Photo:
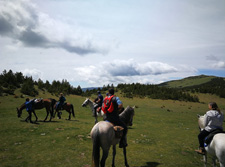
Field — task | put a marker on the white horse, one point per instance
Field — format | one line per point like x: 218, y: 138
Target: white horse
x: 217, y: 146
x: 92, y: 105
x: 103, y: 135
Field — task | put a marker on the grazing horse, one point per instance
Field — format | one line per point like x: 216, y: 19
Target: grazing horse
x: 92, y: 105
x: 217, y: 146
x: 66, y: 106
x: 39, y: 104
x: 103, y: 135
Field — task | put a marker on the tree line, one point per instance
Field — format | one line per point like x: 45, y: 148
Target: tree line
x: 155, y: 92
x: 10, y: 81
x: 215, y: 86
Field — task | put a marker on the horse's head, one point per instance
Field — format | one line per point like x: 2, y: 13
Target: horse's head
x: 19, y: 112
x: 20, y: 109
x: 201, y: 123
x: 85, y: 103
x: 127, y: 116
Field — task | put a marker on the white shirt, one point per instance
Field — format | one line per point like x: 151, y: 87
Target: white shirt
x: 213, y: 120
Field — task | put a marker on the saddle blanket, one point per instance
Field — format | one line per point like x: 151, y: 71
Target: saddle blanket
x: 209, y: 138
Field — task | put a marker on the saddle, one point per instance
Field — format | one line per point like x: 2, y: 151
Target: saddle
x: 118, y: 131
x: 38, y: 100
x: 209, y: 138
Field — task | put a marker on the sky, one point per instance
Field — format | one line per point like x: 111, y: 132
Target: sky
x: 92, y: 43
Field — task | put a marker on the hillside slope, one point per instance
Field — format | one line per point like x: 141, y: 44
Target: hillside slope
x: 188, y: 82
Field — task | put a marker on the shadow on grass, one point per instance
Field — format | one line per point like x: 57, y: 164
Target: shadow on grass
x: 151, y: 164
x: 49, y: 121
x: 73, y: 120
x: 30, y: 122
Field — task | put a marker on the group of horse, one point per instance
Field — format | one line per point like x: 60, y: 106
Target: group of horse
x: 104, y: 136
x: 50, y: 105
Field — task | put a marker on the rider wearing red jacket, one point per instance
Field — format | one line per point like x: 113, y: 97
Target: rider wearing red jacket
x: 111, y: 105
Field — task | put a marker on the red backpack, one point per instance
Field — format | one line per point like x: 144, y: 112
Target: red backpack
x: 107, y: 105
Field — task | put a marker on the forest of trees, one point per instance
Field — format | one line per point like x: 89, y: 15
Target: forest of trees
x: 155, y: 92
x: 10, y: 81
x: 215, y: 86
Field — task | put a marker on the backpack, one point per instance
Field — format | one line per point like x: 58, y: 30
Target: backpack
x: 107, y: 105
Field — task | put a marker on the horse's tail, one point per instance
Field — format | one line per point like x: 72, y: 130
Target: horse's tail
x: 72, y: 110
x: 96, y: 148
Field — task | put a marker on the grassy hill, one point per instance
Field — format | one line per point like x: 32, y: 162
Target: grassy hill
x: 164, y: 134
x: 187, y: 82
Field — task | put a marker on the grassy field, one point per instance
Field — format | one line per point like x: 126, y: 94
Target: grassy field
x: 190, y: 81
x: 164, y: 133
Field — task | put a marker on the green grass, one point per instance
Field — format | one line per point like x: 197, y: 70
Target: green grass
x: 190, y: 81
x: 164, y: 133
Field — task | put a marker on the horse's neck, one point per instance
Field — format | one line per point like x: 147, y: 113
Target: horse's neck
x: 126, y: 115
x: 23, y: 106
x: 201, y: 122
x: 91, y: 104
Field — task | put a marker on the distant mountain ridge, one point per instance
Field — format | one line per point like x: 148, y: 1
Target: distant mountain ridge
x: 90, y: 88
x: 189, y: 81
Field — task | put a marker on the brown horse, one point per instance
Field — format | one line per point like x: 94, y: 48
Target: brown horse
x: 66, y: 106
x: 48, y: 104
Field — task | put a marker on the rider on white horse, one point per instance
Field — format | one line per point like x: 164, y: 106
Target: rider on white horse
x: 213, y: 120
x: 98, y: 101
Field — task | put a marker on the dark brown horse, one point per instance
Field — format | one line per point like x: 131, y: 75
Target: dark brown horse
x: 48, y: 104
x: 66, y: 106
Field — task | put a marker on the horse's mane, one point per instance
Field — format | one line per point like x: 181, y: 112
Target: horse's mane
x: 126, y: 114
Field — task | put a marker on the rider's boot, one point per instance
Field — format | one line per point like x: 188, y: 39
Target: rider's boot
x: 201, y: 150
x: 123, y: 142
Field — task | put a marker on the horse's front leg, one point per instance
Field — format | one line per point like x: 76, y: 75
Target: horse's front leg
x: 205, y: 160
x: 59, y: 114
x: 51, y: 115
x: 69, y: 115
x: 125, y: 156
x: 114, y: 155
x: 27, y: 119
x: 35, y: 116
x: 47, y: 111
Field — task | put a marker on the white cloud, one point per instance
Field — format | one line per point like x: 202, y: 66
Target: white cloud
x: 215, y: 62
x: 122, y: 71
x: 219, y: 64
x: 22, y: 21
x: 36, y: 74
